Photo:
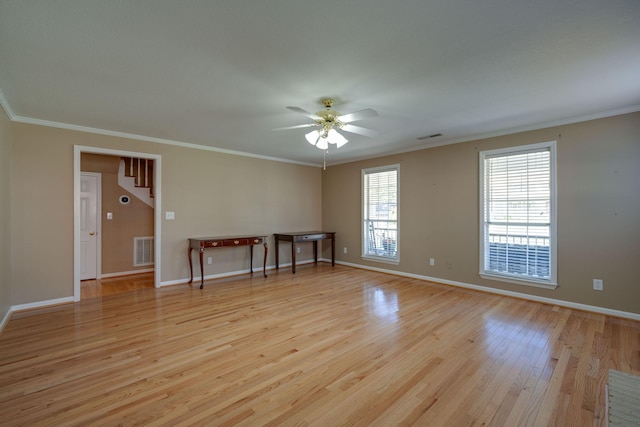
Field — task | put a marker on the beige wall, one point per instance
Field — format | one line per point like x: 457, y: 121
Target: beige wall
x: 5, y: 211
x: 598, y: 211
x: 211, y: 194
x: 134, y: 219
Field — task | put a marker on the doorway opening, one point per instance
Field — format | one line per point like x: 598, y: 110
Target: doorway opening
x: 80, y: 224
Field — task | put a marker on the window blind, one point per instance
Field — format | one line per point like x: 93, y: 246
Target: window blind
x: 517, y: 213
x: 380, y: 212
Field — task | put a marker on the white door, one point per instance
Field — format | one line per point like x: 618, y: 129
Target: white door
x: 89, y: 239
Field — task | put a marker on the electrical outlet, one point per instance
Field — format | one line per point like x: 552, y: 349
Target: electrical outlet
x: 432, y: 261
x: 597, y: 284
x: 298, y: 250
x: 344, y: 249
x: 210, y: 260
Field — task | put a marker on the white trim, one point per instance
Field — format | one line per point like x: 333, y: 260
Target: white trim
x: 7, y: 108
x: 363, y: 173
x: 128, y: 273
x: 561, y: 303
x: 6, y: 319
x: 29, y: 120
x: 503, y: 132
x: 552, y: 301
x: 157, y: 171
x: 196, y: 279
x: 552, y: 283
x: 41, y: 304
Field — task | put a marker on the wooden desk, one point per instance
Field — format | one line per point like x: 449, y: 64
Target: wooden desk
x: 306, y: 236
x: 202, y: 243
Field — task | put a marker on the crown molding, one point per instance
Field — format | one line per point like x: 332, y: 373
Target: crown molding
x: 509, y: 131
x: 7, y: 108
x: 67, y: 126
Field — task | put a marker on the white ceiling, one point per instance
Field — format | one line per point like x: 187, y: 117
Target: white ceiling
x: 220, y: 73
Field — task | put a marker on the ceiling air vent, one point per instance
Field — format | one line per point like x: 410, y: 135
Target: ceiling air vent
x: 435, y: 135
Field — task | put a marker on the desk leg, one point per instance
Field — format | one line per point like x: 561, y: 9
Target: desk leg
x: 201, y: 269
x: 333, y: 252
x: 190, y: 266
x: 277, y: 252
x: 293, y: 257
x: 264, y: 261
x: 315, y: 251
x: 251, y: 259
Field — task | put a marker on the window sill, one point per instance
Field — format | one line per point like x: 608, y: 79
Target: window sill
x: 394, y: 261
x: 517, y: 281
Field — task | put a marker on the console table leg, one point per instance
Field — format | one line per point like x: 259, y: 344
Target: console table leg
x: 251, y: 259
x: 264, y: 261
x: 277, y: 253
x: 201, y: 269
x: 333, y: 252
x: 315, y: 251
x: 293, y: 257
x: 190, y: 266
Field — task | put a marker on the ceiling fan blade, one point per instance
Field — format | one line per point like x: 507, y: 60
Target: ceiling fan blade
x: 304, y: 112
x: 360, y: 130
x: 308, y: 125
x: 357, y: 115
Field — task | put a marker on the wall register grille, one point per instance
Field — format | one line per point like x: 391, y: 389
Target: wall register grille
x: 143, y: 251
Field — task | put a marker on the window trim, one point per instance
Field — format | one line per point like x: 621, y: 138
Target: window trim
x: 364, y: 255
x: 552, y: 282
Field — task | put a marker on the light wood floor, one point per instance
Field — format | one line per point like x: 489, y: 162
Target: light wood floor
x: 115, y: 285
x: 326, y: 346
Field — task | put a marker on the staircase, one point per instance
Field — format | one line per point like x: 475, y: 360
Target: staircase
x: 136, y: 176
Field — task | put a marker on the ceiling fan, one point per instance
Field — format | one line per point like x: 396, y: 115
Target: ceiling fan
x: 328, y: 120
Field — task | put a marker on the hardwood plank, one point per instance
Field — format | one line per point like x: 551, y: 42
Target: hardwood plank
x: 326, y: 346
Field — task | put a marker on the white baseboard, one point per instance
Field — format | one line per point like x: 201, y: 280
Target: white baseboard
x: 40, y: 304
x: 561, y: 303
x: 235, y: 273
x: 5, y: 319
x: 127, y: 273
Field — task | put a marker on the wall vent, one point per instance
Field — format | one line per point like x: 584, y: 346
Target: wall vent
x: 143, y: 251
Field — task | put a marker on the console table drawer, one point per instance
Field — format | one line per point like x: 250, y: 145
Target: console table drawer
x: 237, y: 242
x: 204, y: 243
x: 315, y: 237
x: 226, y: 242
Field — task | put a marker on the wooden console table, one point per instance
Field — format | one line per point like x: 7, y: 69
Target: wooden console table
x: 202, y: 243
x: 306, y: 236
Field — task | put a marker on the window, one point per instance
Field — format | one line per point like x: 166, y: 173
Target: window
x: 518, y: 215
x: 380, y: 213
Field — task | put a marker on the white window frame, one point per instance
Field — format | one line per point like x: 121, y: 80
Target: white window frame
x: 551, y: 282
x: 383, y: 251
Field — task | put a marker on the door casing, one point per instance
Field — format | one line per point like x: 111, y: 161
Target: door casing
x: 77, y: 152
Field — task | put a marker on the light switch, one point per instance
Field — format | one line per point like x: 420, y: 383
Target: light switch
x: 109, y: 215
x: 170, y: 215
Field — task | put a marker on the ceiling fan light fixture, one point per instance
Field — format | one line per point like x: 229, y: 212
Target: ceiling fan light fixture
x: 333, y: 137
x: 328, y: 122
x: 322, y: 144
x: 313, y: 137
